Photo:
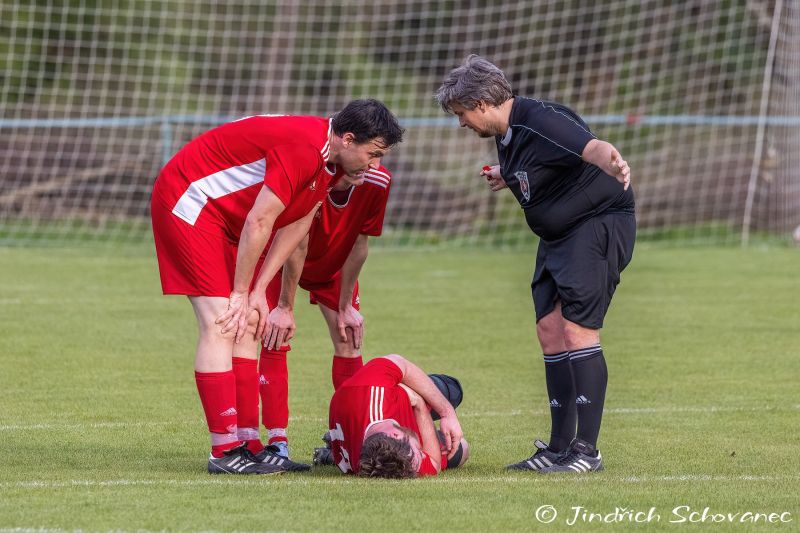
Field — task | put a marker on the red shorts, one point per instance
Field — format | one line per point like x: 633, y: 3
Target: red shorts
x: 191, y: 261
x: 326, y: 294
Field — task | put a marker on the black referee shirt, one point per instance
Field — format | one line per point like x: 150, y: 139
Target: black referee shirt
x: 540, y: 160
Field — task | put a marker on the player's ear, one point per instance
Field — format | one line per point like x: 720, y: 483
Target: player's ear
x: 348, y: 139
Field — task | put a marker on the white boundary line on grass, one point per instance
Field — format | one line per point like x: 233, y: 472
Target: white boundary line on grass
x: 466, y: 414
x: 638, y: 410
x: 347, y: 480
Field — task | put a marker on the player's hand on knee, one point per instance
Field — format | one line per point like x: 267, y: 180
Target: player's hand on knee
x: 234, y: 318
x: 257, y: 303
x: 280, y: 328
x: 349, y: 317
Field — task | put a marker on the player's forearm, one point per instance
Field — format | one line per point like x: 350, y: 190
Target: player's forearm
x: 255, y: 234
x: 292, y: 272
x: 416, y: 379
x: 285, y: 241
x: 351, y: 270
x: 430, y: 442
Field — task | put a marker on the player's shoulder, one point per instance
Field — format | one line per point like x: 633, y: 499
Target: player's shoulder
x: 282, y: 129
x: 379, y: 178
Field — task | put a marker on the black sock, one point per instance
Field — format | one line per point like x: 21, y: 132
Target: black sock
x: 561, y: 394
x: 591, y: 378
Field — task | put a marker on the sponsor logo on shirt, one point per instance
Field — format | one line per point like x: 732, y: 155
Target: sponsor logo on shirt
x: 524, y: 186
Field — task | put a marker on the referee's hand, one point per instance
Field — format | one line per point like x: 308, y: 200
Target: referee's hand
x: 493, y: 177
x: 620, y: 169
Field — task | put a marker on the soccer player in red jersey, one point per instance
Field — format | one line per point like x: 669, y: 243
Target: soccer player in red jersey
x: 381, y: 425
x: 327, y: 264
x: 215, y: 205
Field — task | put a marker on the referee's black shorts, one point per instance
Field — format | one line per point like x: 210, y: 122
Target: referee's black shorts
x: 582, y: 268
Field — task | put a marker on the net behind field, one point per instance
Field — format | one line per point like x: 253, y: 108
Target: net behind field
x: 700, y: 97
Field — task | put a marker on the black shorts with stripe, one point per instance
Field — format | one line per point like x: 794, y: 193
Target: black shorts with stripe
x: 582, y: 269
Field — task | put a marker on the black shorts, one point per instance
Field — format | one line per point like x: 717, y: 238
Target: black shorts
x: 582, y: 268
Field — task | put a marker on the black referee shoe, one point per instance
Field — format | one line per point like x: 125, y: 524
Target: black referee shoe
x: 580, y: 458
x: 240, y: 460
x: 269, y: 456
x: 543, y: 458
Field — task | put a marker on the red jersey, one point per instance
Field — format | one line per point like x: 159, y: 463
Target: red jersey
x: 371, y: 394
x: 212, y: 182
x: 336, y: 227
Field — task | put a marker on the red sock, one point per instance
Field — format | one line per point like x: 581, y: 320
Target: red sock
x: 246, y: 372
x: 218, y: 395
x: 343, y: 368
x: 274, y: 388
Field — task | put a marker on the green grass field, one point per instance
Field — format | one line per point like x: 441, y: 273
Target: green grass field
x: 101, y: 428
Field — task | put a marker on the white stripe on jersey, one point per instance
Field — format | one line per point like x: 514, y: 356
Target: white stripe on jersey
x: 377, y: 174
x: 371, y: 404
x: 326, y: 149
x: 215, y: 186
x: 376, y: 182
x: 375, y: 404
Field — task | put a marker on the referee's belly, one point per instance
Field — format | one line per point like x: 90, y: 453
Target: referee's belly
x: 553, y: 220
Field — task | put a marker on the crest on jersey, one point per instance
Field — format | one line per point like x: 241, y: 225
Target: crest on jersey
x: 524, y: 186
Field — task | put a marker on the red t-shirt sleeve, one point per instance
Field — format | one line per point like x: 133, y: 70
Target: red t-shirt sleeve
x: 373, y: 225
x: 379, y: 372
x: 290, y: 167
x: 426, y: 468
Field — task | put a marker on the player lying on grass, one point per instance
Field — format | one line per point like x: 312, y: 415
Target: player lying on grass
x: 327, y: 264
x: 381, y: 424
x: 215, y: 205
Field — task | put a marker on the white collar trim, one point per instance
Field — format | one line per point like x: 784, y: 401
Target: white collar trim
x: 507, y: 138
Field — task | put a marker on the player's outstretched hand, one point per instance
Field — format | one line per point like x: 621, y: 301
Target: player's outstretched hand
x: 280, y: 328
x: 349, y: 317
x: 493, y: 177
x: 451, y: 429
x: 235, y: 317
x: 620, y: 169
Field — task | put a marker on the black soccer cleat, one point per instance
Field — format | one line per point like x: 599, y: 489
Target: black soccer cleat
x: 270, y: 456
x: 240, y: 460
x: 543, y: 458
x: 323, y: 457
x: 580, y: 458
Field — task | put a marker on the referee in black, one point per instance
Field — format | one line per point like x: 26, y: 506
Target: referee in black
x: 575, y: 192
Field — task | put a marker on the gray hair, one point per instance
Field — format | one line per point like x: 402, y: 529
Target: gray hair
x: 477, y: 79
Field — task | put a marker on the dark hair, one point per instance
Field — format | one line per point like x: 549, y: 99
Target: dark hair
x: 366, y: 120
x: 476, y: 80
x: 386, y: 457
